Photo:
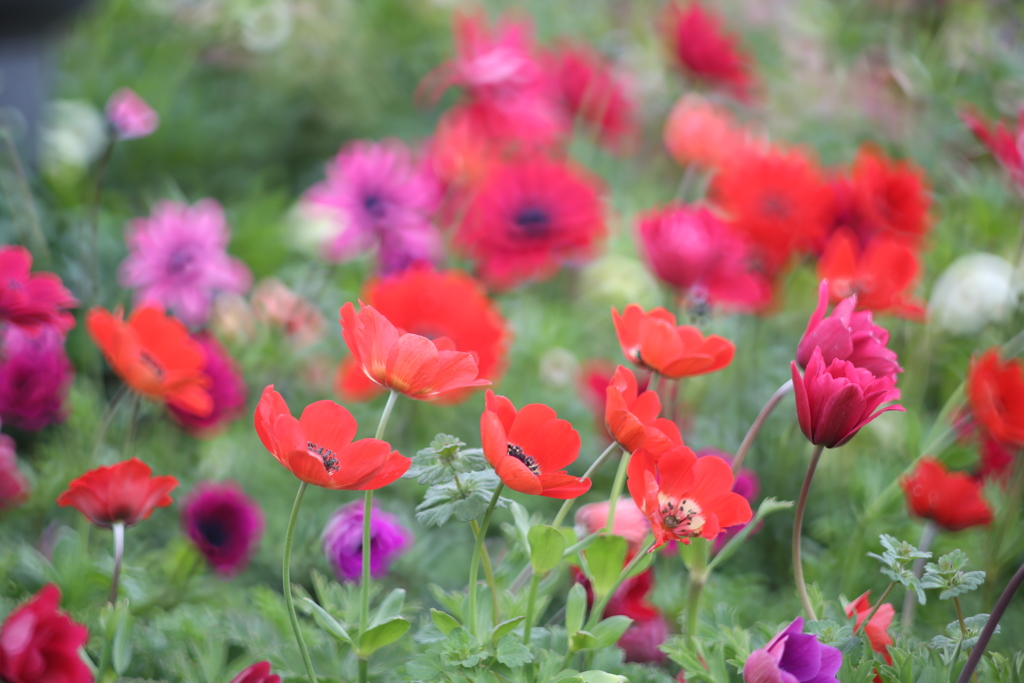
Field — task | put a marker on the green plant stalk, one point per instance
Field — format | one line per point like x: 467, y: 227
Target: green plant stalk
x: 30, y: 201
x: 475, y: 562
x: 960, y: 616
x: 364, y: 666
x: 492, y: 583
x: 105, y: 419
x: 531, y: 599
x: 286, y: 575
x: 93, y: 238
x: 567, y: 505
x: 118, y: 530
x: 617, y: 486
x: 600, y: 605
x: 798, y: 524
x: 755, y: 427
x: 698, y: 578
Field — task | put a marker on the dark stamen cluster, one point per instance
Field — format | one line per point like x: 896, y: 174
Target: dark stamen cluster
x: 517, y: 453
x: 326, y: 454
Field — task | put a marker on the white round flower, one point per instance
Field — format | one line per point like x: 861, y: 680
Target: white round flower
x: 311, y: 227
x: 975, y: 290
x: 74, y: 135
x: 267, y: 27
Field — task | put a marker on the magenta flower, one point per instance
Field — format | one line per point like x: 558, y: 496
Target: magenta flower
x: 227, y: 388
x: 130, y: 115
x: 343, y: 541
x: 177, y: 258
x: 745, y: 483
x: 32, y: 300
x: 14, y: 488
x: 848, y: 335
x: 224, y: 523
x: 793, y: 657
x: 833, y: 402
x: 257, y: 673
x: 35, y: 376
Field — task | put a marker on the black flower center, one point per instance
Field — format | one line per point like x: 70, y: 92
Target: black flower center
x: 776, y: 207
x: 517, y: 453
x: 326, y: 454
x: 215, y: 533
x: 151, y: 364
x: 533, y: 221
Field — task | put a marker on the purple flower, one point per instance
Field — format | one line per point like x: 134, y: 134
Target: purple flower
x: 177, y: 258
x: 130, y: 115
x: 746, y: 484
x: 343, y: 541
x: 227, y: 388
x: 35, y: 376
x: 642, y: 639
x: 224, y: 523
x: 793, y: 657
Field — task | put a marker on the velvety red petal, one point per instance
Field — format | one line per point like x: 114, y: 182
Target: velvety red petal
x: 412, y: 365
x: 529, y: 420
x: 518, y: 476
x: 328, y: 425
x: 503, y: 407
x: 394, y: 467
x: 493, y: 439
x: 563, y: 486
x: 712, y: 479
x: 676, y: 470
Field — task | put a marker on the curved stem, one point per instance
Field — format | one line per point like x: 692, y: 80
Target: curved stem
x: 755, y: 427
x: 388, y: 407
x: 567, y: 505
x: 798, y: 524
x: 878, y: 603
x: 990, y: 626
x: 530, y: 600
x: 475, y: 562
x: 600, y: 605
x: 118, y: 530
x: 617, y: 485
x: 286, y: 577
x: 931, y: 530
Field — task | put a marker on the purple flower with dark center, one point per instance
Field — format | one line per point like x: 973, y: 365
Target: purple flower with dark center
x: 35, y: 376
x: 343, y: 541
x: 177, y: 258
x: 793, y: 657
x: 224, y: 523
x: 227, y: 388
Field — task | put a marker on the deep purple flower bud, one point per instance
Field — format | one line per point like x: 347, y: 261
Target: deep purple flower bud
x: 257, y: 673
x: 227, y: 389
x: 343, y: 541
x: 35, y: 376
x: 224, y: 523
x: 793, y: 657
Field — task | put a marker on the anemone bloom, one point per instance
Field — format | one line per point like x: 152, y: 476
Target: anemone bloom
x: 40, y: 643
x: 1002, y: 139
x: 652, y: 340
x: 227, y: 391
x: 35, y: 377
x: 702, y: 48
x: 995, y: 391
x: 130, y: 115
x: 701, y: 133
x: 32, y: 299
x: 631, y: 416
x: 125, y: 493
x: 953, y: 500
x: 745, y: 484
x: 877, y: 629
x: 529, y: 448
x: 793, y: 657
x: 342, y: 541
x: 318, y: 447
x: 882, y: 274
x: 629, y: 523
x: 224, y: 524
x: 890, y: 197
x: 14, y: 487
x: 256, y: 673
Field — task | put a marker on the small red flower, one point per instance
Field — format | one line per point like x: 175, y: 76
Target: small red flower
x: 125, y: 493
x: 14, y: 487
x: 876, y: 629
x: 32, y: 300
x: 530, y: 448
x: 702, y: 48
x: 1001, y: 139
x: 889, y: 196
x: 257, y: 673
x: 882, y: 275
x: 953, y: 500
x: 995, y: 391
x: 652, y: 340
x: 39, y: 643
x: 704, y: 134
x: 410, y: 364
x: 632, y: 417
x: 318, y: 448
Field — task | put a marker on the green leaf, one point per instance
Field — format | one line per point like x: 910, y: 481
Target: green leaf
x: 444, y: 460
x: 121, y: 646
x: 389, y: 608
x: 604, y: 559
x: 326, y: 622
x: 602, y: 677
x: 546, y: 547
x: 381, y: 635
x: 512, y: 653
x: 582, y: 640
x: 462, y: 649
x: 521, y: 520
x: 444, y: 622
x: 466, y: 501
x: 504, y: 628
x: 575, y: 609
x: 608, y: 631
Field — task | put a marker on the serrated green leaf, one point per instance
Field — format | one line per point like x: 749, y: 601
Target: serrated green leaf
x: 605, y: 558
x: 381, y: 635
x: 546, y: 547
x: 505, y: 628
x: 465, y: 501
x: 608, y: 631
x: 461, y: 648
x: 390, y: 607
x: 575, y: 609
x: 512, y: 653
x: 326, y: 622
x: 444, y: 622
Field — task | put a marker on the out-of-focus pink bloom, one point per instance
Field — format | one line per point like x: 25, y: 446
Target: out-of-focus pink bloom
x: 257, y: 673
x: 28, y: 299
x: 343, y: 541
x: 224, y: 523
x: 130, y: 115
x: 177, y: 257
x: 35, y: 376
x: 629, y: 522
x: 227, y: 388
x: 703, y: 134
x: 14, y: 487
x: 274, y: 304
x: 703, y: 49
x: 39, y: 643
x: 590, y: 91
x: 1004, y: 142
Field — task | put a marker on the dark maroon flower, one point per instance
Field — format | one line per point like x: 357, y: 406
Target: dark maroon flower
x: 14, y: 488
x: 343, y: 541
x: 227, y: 389
x: 257, y: 673
x: 39, y: 644
x: 224, y: 523
x: 35, y: 376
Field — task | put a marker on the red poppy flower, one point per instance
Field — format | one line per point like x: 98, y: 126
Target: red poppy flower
x: 530, y: 448
x: 632, y: 417
x: 685, y: 496
x: 702, y: 48
x: 318, y: 448
x: 876, y: 629
x: 528, y: 217
x: 125, y: 493
x: 882, y: 275
x: 154, y: 355
x: 40, y: 643
x: 889, y: 196
x: 995, y: 460
x: 257, y: 673
x: 410, y: 364
x: 653, y: 341
x: 995, y: 390
x: 32, y: 300
x: 1001, y: 140
x: 952, y: 500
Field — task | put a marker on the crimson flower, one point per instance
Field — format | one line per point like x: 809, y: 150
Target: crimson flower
x: 953, y: 500
x: 125, y: 493
x: 631, y: 416
x: 224, y: 524
x: 227, y: 391
x: 1002, y: 139
x: 684, y: 496
x: 876, y: 629
x: 256, y: 673
x: 652, y: 340
x: 882, y: 274
x: 530, y: 448
x: 39, y: 643
x: 28, y: 299
x: 14, y: 487
x: 318, y: 448
x: 890, y: 197
x: 702, y: 48
x: 995, y: 391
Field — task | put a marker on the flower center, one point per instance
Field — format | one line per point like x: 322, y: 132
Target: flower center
x: 179, y: 261
x: 775, y: 207
x: 374, y: 205
x: 151, y: 364
x: 517, y: 453
x: 533, y: 221
x: 325, y: 454
x: 214, y: 532
x: 683, y: 518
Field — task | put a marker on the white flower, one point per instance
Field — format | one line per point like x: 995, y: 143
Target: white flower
x: 267, y: 27
x: 74, y: 135
x: 975, y: 290
x: 311, y: 228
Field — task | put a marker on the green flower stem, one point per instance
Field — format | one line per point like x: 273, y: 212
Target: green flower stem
x: 698, y: 577
x: 388, y: 407
x: 617, y: 486
x: 766, y: 410
x: 35, y: 227
x: 492, y: 584
x: 567, y: 505
x: 475, y: 562
x: 364, y: 666
x: 798, y: 524
x: 931, y: 530
x: 94, y: 216
x: 960, y: 616
x: 118, y: 530
x: 599, y: 607
x: 286, y: 574
x: 530, y: 600
x: 990, y: 626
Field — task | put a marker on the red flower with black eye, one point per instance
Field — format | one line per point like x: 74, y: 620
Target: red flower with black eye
x: 632, y: 416
x: 530, y: 448
x: 995, y: 391
x: 39, y: 643
x: 702, y: 48
x: 125, y: 493
x: 652, y: 340
x: 882, y: 275
x: 318, y: 448
x: 32, y: 300
x: 952, y: 500
x: 890, y: 196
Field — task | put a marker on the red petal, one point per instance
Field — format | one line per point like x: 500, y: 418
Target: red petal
x: 563, y: 486
x: 676, y: 471
x: 412, y: 365
x: 518, y: 476
x: 394, y: 467
x: 328, y: 425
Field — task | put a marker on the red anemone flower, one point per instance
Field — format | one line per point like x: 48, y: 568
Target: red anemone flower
x: 318, y: 448
x: 684, y: 496
x: 154, y: 355
x: 882, y: 275
x: 1001, y: 139
x: 995, y: 390
x: 32, y: 300
x: 410, y: 364
x: 952, y: 500
x: 890, y: 196
x: 529, y: 448
x: 39, y: 643
x: 125, y: 493
x: 652, y: 340
x: 632, y: 416
x: 702, y: 48
x: 257, y: 673
x: 876, y: 629
x: 528, y: 217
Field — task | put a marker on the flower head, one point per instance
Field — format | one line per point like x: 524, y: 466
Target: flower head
x: 876, y: 629
x: 953, y: 500
x: 39, y: 643
x: 227, y: 390
x: 318, y: 448
x: 256, y: 673
x: 652, y: 340
x: 975, y: 290
x: 631, y: 416
x: 881, y: 275
x: 224, y: 524
x: 530, y: 448
x: 1002, y: 139
x: 343, y: 541
x: 130, y: 115
x: 703, y: 134
x: 590, y: 90
x: 32, y: 300
x: 629, y: 523
x: 35, y: 377
x: 995, y: 391
x: 703, y: 49
x: 890, y: 197
x: 745, y: 484
x: 177, y: 257
x: 793, y: 657
x: 125, y: 493
x: 14, y: 487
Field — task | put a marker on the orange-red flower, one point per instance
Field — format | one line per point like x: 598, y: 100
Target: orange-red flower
x: 875, y: 629
x: 685, y: 496
x: 882, y: 275
x: 995, y: 390
x: 952, y: 500
x: 125, y: 493
x: 890, y: 196
x: 701, y: 133
x: 154, y: 355
x: 318, y: 448
x: 702, y: 48
x: 410, y: 364
x: 632, y: 416
x: 530, y: 448
x: 652, y: 340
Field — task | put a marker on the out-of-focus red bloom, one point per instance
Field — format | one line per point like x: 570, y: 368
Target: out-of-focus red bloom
x: 702, y: 48
x: 876, y: 629
x: 952, y: 500
x: 256, y: 673
x: 530, y: 216
x: 703, y: 134
x: 996, y: 459
x: 890, y: 197
x: 1001, y: 140
x: 530, y: 448
x: 39, y: 643
x: 32, y: 299
x: 590, y: 91
x: 631, y: 416
x: 629, y: 522
x: 227, y: 390
x: 14, y: 488
x: 154, y: 355
x: 995, y: 391
x: 834, y: 401
x: 684, y: 496
x: 125, y: 493
x: 461, y: 153
x: 410, y: 364
x: 318, y: 447
x: 653, y: 341
x: 882, y: 275
x: 274, y: 304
